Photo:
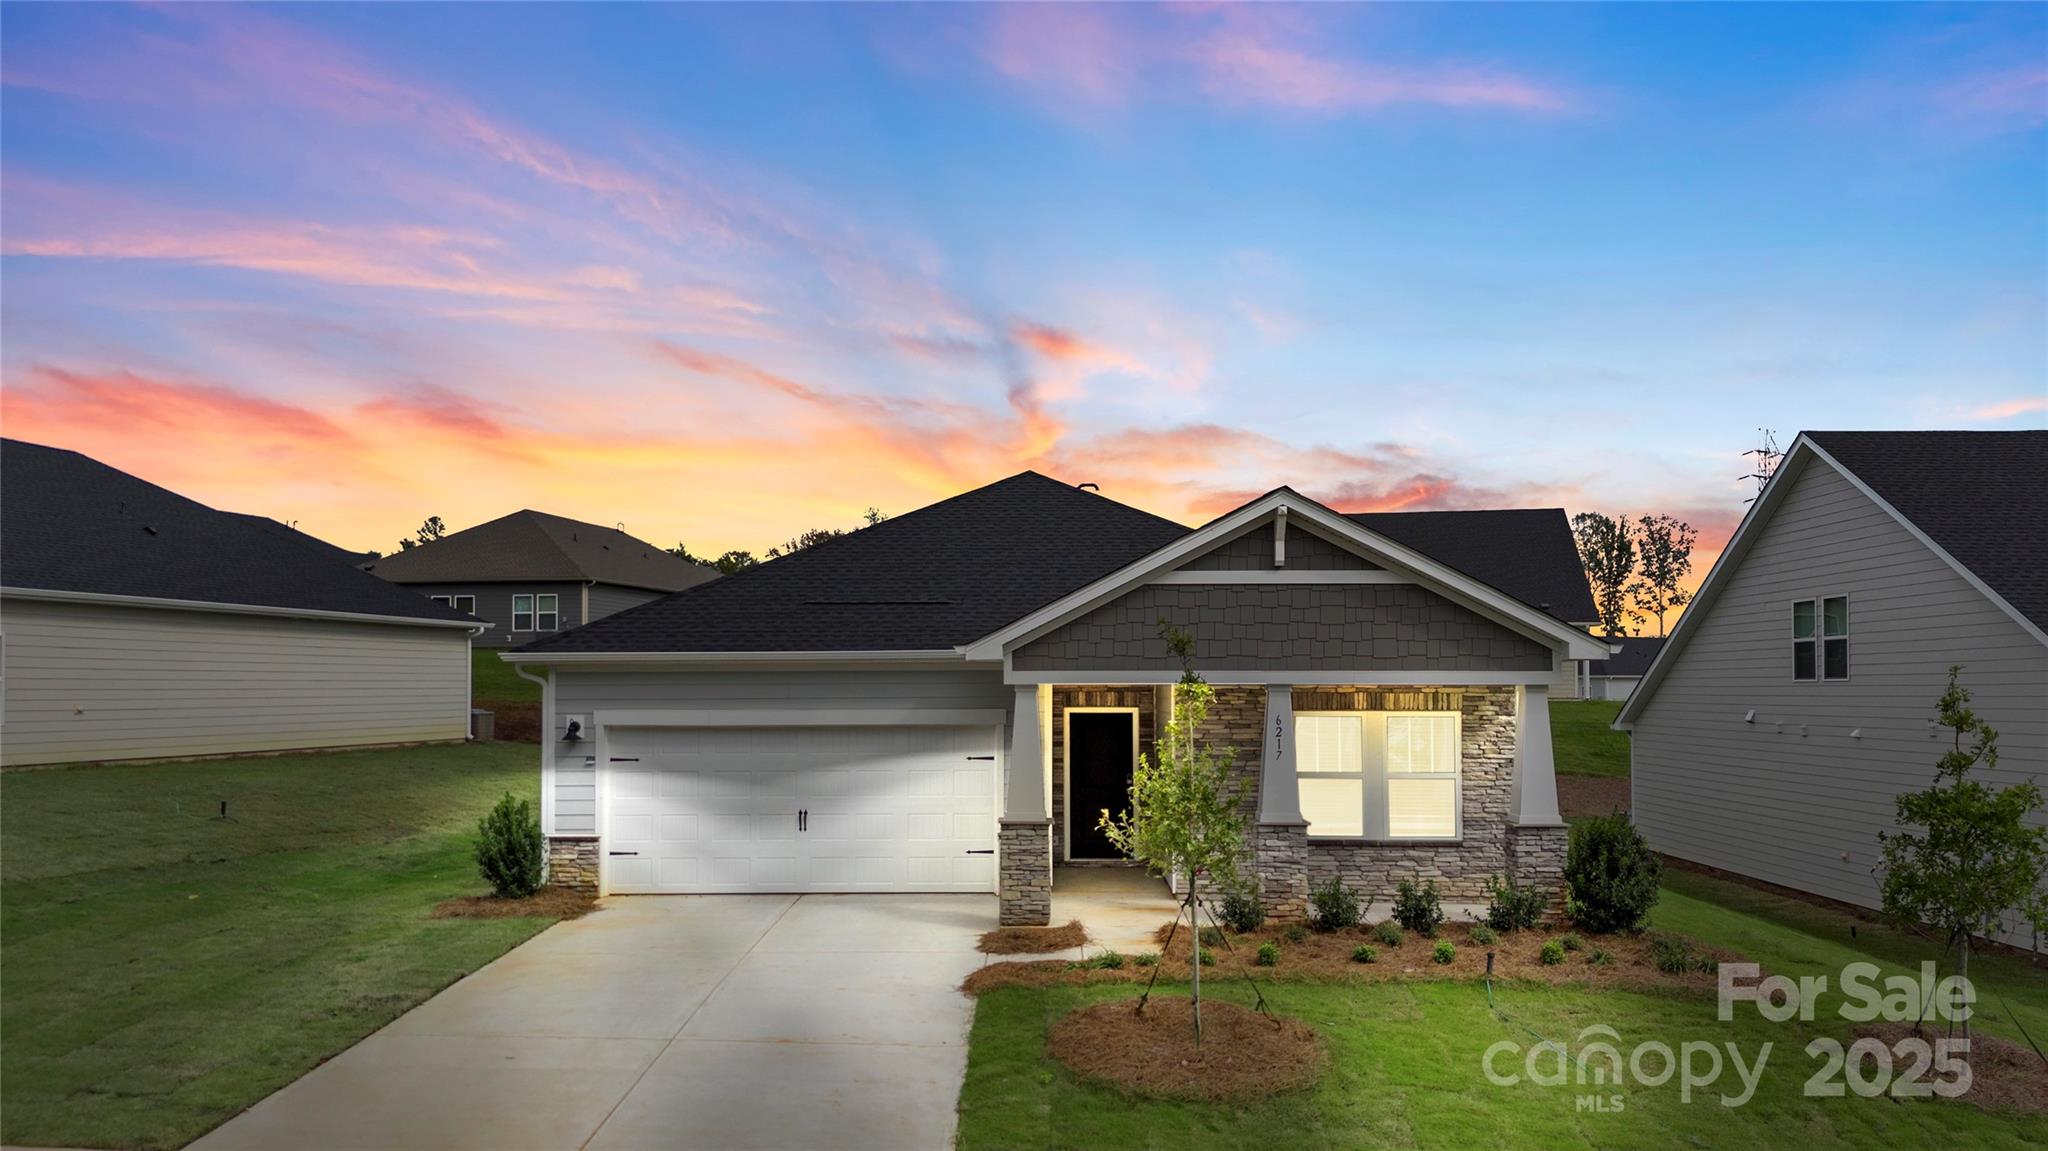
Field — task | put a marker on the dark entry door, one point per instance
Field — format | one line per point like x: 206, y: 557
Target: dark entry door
x: 1101, y: 744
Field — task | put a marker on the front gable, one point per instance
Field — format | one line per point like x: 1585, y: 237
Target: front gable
x: 1254, y: 551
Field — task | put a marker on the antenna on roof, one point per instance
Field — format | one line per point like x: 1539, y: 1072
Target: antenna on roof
x: 1097, y: 488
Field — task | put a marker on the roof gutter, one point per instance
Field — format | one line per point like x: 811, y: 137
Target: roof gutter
x: 940, y: 655
x: 55, y: 596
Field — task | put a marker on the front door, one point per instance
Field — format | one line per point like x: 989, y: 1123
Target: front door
x: 1100, y: 747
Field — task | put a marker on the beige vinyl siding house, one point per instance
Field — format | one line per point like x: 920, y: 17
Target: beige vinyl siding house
x: 93, y: 681
x: 1741, y: 765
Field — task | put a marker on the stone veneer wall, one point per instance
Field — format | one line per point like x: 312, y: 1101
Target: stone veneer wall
x: 1024, y: 873
x: 572, y: 863
x: 1066, y: 696
x: 1537, y: 856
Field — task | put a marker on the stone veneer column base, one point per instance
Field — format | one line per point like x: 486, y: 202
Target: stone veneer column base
x: 572, y: 862
x: 1536, y: 859
x: 1024, y: 873
x: 1280, y: 860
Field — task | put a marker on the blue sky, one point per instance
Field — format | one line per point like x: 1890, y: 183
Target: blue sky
x: 723, y: 273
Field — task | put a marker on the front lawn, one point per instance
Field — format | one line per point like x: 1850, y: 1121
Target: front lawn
x: 1583, y: 743
x: 165, y: 968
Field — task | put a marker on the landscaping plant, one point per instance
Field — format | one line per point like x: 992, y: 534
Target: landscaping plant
x: 1610, y: 875
x: 1269, y: 954
x: 509, y: 849
x: 1295, y: 933
x: 1512, y: 908
x: 1485, y: 936
x: 1242, y: 911
x: 1570, y: 941
x: 1389, y: 934
x: 1418, y: 908
x: 1444, y: 952
x: 1601, y: 957
x: 1186, y: 815
x: 1552, y: 954
x: 1364, y: 953
x: 1974, y: 856
x: 1333, y: 906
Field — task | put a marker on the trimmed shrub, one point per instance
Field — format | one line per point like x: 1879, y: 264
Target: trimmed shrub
x: 510, y: 852
x: 1269, y: 954
x: 1610, y: 875
x: 1418, y: 908
x: 1571, y: 942
x: 1553, y: 953
x: 1295, y: 933
x: 1242, y: 911
x: 1364, y: 953
x: 1511, y: 908
x: 1443, y: 952
x: 1333, y: 906
x: 1485, y: 936
x: 1388, y: 933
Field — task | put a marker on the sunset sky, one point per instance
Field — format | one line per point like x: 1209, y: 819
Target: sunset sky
x: 722, y: 274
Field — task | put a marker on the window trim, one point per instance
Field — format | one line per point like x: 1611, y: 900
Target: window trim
x: 1375, y: 812
x: 459, y: 606
x: 545, y: 605
x: 528, y: 612
x: 1818, y: 641
x: 1810, y: 641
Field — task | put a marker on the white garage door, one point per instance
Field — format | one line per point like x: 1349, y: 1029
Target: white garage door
x: 719, y: 809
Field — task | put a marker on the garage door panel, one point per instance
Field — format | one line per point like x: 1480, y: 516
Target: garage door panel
x: 715, y: 809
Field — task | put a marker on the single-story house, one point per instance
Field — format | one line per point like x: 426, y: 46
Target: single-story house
x: 530, y: 573
x: 1795, y: 700
x: 1617, y: 675
x: 138, y: 624
x: 944, y: 701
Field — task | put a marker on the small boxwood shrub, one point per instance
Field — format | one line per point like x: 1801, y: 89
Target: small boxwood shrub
x: 1571, y: 941
x: 1552, y: 954
x: 1208, y: 958
x: 1610, y: 875
x: 1485, y: 936
x: 1389, y: 934
x: 1333, y: 906
x: 1269, y: 954
x: 1443, y: 952
x: 1295, y: 933
x: 1512, y: 908
x: 1418, y: 908
x: 1243, y: 912
x: 1364, y: 953
x: 510, y: 852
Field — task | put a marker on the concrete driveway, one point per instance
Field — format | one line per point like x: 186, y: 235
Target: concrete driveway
x: 724, y: 1021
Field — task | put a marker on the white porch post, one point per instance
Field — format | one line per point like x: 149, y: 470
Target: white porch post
x: 1025, y: 791
x: 1279, y: 791
x: 1535, y: 791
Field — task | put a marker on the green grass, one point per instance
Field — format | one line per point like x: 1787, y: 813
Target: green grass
x: 492, y: 680
x: 164, y: 969
x: 1581, y: 741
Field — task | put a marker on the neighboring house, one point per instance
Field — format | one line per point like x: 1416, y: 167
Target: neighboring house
x: 1617, y: 675
x: 1796, y: 697
x: 944, y: 701
x: 138, y: 624
x: 530, y: 573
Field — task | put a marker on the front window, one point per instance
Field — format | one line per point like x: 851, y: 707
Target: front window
x: 1379, y: 775
x: 550, y: 618
x: 522, y: 613
x: 1820, y: 638
x: 1802, y: 639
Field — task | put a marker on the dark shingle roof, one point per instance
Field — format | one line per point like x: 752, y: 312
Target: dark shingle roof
x: 1528, y: 553
x: 71, y: 523
x: 1637, y: 653
x: 536, y: 546
x: 1983, y: 496
x: 926, y: 580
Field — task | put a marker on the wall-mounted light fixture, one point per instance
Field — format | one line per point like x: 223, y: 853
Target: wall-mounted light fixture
x: 573, y: 732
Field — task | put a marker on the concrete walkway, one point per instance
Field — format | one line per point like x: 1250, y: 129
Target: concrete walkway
x: 731, y: 1022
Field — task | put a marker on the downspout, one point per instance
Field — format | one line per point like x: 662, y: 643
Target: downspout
x: 547, y: 726
x: 469, y: 684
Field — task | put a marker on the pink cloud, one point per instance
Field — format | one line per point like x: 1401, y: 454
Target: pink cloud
x: 2014, y: 96
x: 2010, y: 408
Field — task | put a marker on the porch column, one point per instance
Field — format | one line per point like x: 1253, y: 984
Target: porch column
x: 1280, y: 842
x: 1024, y: 836
x: 1537, y: 836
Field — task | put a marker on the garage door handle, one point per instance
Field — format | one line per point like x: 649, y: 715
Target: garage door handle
x: 803, y: 819
x: 990, y: 758
x: 622, y: 853
x: 982, y: 851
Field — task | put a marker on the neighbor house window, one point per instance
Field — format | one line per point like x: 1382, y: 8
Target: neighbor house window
x: 550, y: 616
x: 443, y: 600
x: 522, y: 613
x: 465, y: 603
x: 1820, y: 638
x: 1379, y: 775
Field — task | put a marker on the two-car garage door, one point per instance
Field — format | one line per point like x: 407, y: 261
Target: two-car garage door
x: 799, y: 808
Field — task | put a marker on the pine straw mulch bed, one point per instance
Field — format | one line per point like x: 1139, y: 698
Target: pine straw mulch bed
x: 1243, y: 1054
x: 513, y: 722
x: 1033, y: 940
x: 2004, y: 1076
x: 1327, y: 958
x: 547, y: 903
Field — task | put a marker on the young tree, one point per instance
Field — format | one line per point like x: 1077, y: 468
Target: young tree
x: 1609, y: 555
x: 1664, y: 551
x: 1187, y: 811
x: 1973, y: 857
x: 429, y: 530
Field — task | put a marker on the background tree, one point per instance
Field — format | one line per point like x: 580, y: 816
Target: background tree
x: 1973, y: 857
x: 430, y: 529
x: 1664, y: 559
x: 1609, y: 554
x: 816, y: 536
x: 1189, y: 809
x: 733, y: 560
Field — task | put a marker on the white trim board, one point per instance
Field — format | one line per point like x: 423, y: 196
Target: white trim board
x: 1274, y: 676
x: 943, y: 656
x: 143, y: 601
x: 1280, y: 576
x: 803, y: 717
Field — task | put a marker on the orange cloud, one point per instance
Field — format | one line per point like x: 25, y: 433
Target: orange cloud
x: 2010, y: 408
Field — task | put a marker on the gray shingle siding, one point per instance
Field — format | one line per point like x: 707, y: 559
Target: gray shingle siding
x: 1253, y: 551
x: 1298, y: 627
x: 1794, y: 798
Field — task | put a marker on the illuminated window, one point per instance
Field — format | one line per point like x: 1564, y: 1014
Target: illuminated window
x: 522, y: 613
x: 1379, y: 775
x: 550, y: 618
